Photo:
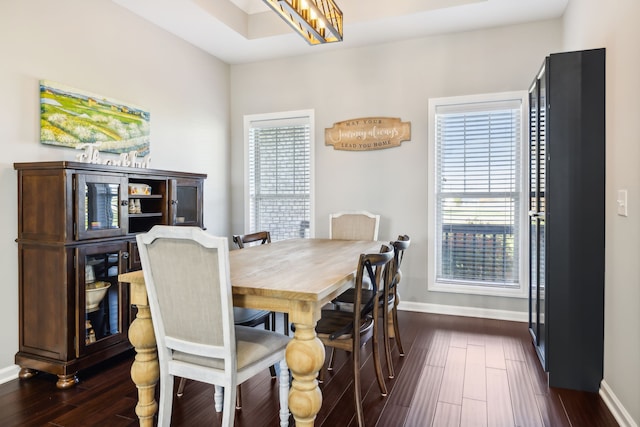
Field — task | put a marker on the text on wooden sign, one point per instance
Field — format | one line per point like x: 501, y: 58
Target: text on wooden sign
x: 369, y: 133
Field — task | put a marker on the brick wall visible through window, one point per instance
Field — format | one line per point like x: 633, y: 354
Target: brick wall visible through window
x: 280, y: 177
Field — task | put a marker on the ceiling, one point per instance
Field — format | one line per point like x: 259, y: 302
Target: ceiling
x: 240, y: 31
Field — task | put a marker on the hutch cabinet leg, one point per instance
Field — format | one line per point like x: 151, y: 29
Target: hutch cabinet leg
x: 145, y: 370
x: 26, y: 373
x: 66, y: 381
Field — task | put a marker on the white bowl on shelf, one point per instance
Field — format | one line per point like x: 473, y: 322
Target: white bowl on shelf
x: 94, y: 294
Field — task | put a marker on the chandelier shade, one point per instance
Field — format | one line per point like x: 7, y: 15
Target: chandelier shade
x: 317, y: 21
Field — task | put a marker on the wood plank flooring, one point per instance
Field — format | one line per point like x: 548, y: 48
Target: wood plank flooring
x: 457, y: 371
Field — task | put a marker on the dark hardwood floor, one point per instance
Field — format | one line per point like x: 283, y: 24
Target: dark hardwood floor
x: 457, y: 372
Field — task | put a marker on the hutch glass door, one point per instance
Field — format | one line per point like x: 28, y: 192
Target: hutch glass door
x: 186, y: 202
x: 101, y: 202
x: 537, y: 214
x: 102, y: 304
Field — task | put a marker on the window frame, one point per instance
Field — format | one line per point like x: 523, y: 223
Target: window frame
x: 287, y: 117
x: 459, y: 288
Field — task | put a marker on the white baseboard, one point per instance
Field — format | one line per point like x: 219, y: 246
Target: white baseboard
x: 9, y: 373
x: 486, y: 313
x: 618, y: 411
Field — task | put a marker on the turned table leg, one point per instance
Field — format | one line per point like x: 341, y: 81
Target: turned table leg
x: 305, y: 357
x: 145, y: 371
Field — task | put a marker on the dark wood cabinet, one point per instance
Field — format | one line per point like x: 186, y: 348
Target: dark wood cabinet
x: 76, y: 233
x: 566, y: 212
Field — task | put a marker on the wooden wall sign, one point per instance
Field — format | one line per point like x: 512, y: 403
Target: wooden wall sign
x: 368, y: 133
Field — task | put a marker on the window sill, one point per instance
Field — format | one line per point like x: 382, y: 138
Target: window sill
x: 478, y: 290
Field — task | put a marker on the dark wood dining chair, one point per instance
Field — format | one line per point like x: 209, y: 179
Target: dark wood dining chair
x: 350, y: 331
x: 346, y: 300
x: 353, y: 225
x: 261, y: 237
x: 392, y: 297
x: 247, y: 316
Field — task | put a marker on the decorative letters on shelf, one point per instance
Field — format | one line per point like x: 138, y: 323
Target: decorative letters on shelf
x: 368, y: 133
x: 92, y: 155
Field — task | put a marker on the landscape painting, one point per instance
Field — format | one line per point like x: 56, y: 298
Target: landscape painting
x: 72, y: 118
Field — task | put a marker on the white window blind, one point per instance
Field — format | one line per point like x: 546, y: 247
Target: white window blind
x: 478, y: 194
x: 280, y: 176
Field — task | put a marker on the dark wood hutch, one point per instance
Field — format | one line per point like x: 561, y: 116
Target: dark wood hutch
x: 76, y: 233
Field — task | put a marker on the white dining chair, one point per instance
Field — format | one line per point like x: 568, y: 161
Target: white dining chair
x: 186, y: 273
x: 354, y: 225
x: 248, y: 316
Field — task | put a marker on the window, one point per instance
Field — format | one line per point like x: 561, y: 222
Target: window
x: 279, y: 175
x: 476, y: 195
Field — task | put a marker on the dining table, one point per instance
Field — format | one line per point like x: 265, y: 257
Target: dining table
x: 294, y: 276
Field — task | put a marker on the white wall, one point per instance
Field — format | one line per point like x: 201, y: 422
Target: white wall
x: 594, y: 23
x: 393, y: 80
x: 100, y: 47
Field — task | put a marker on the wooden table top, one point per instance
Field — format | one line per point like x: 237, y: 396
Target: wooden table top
x: 296, y: 269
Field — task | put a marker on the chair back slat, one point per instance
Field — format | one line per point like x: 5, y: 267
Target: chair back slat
x: 375, y: 266
x: 399, y: 246
x: 243, y: 239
